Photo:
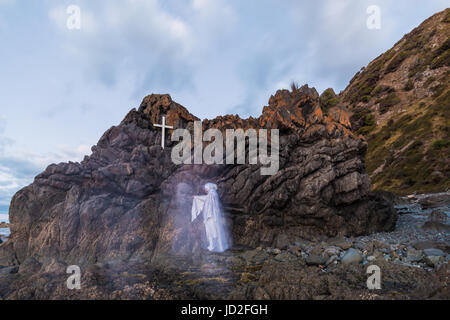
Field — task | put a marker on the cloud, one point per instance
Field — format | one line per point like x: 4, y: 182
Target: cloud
x: 19, y: 167
x: 14, y: 174
x: 7, y: 2
x: 19, y: 170
x: 129, y: 38
x: 232, y: 54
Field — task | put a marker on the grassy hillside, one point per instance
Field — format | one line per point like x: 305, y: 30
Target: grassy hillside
x: 401, y: 103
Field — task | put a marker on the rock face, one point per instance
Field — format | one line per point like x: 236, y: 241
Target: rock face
x: 128, y: 200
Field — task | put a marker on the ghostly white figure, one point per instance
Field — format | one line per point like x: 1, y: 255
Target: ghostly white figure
x: 212, y: 218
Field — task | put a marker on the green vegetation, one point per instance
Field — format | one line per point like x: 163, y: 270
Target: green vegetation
x: 328, y: 99
x: 409, y: 85
x: 418, y: 67
x: 443, y: 60
x: 438, y: 90
x: 364, y: 83
x: 365, y: 99
x: 441, y: 56
x: 429, y: 81
x: 440, y: 144
x: 409, y: 151
x: 387, y: 102
x: 363, y: 121
x: 397, y: 61
x: 382, y: 89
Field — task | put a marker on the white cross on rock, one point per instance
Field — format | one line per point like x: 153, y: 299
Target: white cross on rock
x: 163, y: 126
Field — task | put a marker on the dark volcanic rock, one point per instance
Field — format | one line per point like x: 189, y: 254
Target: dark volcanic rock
x: 128, y: 200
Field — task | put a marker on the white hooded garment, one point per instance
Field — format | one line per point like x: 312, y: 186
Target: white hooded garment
x: 212, y: 218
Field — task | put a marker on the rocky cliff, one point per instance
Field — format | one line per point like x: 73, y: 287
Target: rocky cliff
x: 400, y: 102
x: 128, y: 199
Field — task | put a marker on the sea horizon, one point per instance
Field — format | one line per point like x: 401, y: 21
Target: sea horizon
x: 4, y: 217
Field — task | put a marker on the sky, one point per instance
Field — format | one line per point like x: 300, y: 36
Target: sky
x: 61, y: 88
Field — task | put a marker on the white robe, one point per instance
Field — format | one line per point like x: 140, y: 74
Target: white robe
x: 212, y: 218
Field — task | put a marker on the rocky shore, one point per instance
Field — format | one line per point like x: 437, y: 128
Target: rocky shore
x: 310, y: 231
x: 413, y: 261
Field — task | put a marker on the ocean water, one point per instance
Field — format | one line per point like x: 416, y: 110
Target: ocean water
x: 4, y: 232
x: 4, y: 217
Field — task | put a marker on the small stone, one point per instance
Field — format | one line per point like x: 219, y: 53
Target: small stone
x: 438, y: 216
x: 359, y: 245
x: 248, y: 255
x: 436, y: 226
x: 295, y: 250
x: 284, y: 256
x: 432, y: 261
x: 340, y: 242
x: 274, y: 251
x: 235, y: 261
x: 435, y: 201
x: 260, y: 257
x: 315, y: 260
x: 331, y: 251
x: 331, y: 260
x: 421, y: 245
x: 371, y: 258
x: 282, y: 241
x: 434, y: 252
x: 413, y: 255
x: 351, y: 256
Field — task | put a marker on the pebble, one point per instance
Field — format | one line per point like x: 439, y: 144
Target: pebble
x: 351, y: 256
x: 340, y: 242
x: 434, y: 252
x: 331, y: 251
x: 432, y: 261
x: 413, y: 255
x: 315, y: 260
x: 331, y: 260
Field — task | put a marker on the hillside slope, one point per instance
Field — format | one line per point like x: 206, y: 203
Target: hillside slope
x: 401, y: 103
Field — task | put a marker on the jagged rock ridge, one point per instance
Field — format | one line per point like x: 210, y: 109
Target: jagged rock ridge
x: 128, y: 199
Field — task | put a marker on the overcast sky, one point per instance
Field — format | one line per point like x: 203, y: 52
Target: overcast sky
x: 60, y: 89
